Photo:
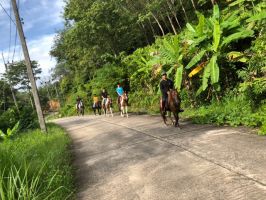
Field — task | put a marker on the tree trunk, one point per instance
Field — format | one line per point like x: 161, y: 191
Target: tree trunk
x: 10, y: 85
x: 160, y: 26
x: 174, y: 14
x: 152, y: 29
x: 172, y: 25
x: 141, y: 25
x: 183, y: 10
x: 193, y: 4
x: 165, y: 23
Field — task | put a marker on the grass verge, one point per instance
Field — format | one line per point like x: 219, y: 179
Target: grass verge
x: 36, y: 166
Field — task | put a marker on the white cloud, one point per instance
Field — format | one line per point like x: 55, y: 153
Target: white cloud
x: 39, y: 50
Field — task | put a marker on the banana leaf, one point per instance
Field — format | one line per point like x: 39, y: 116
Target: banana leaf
x: 197, y: 69
x: 216, y: 12
x: 178, y: 77
x: 216, y: 35
x: 195, y: 59
x: 214, y: 70
x: 190, y: 27
x: 236, y: 36
x: 206, y: 76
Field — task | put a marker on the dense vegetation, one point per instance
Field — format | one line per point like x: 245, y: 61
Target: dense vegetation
x: 214, y: 52
x: 30, y: 170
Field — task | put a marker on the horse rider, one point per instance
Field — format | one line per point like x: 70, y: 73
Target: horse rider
x: 166, y: 85
x: 104, y: 96
x: 120, y: 92
x: 95, y: 101
x: 78, y: 101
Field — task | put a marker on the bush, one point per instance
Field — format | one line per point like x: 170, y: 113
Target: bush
x: 232, y: 110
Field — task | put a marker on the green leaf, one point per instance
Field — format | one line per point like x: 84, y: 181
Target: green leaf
x: 236, y: 36
x: 200, y: 26
x: 206, y: 75
x: 178, y: 77
x: 256, y: 17
x: 190, y: 27
x: 216, y: 35
x: 195, y: 59
x: 236, y: 2
x: 216, y: 12
x: 8, y: 132
x: 214, y: 69
x: 200, y: 90
x: 2, y: 135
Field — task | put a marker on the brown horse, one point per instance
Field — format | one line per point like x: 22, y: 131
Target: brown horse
x: 123, y: 105
x: 173, y: 106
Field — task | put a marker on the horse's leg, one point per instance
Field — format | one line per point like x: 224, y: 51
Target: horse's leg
x: 126, y: 111
x: 170, y: 116
x: 176, y: 120
x: 111, y: 111
x: 122, y: 111
x: 163, y: 116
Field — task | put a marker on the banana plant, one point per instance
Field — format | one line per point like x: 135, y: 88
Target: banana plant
x: 211, y: 39
x: 170, y: 54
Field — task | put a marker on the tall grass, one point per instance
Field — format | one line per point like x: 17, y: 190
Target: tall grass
x: 36, y: 166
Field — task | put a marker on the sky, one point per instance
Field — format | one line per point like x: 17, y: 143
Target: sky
x: 42, y: 20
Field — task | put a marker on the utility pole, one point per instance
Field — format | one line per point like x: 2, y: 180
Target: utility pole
x: 29, y: 69
x: 10, y: 84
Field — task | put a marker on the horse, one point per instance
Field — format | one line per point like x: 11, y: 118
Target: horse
x: 96, y: 106
x: 107, y: 107
x: 173, y: 106
x: 80, y: 108
x: 123, y: 105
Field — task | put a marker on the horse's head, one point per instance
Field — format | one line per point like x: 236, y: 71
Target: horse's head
x: 174, y: 98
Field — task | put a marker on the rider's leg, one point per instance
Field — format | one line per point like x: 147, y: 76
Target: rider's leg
x: 164, y: 102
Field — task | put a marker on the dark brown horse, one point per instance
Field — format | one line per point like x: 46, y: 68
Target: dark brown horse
x: 173, y: 106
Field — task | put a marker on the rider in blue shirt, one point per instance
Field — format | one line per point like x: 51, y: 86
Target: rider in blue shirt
x: 120, y: 92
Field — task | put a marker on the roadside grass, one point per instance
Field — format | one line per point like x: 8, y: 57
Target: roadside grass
x: 36, y: 166
x: 233, y: 111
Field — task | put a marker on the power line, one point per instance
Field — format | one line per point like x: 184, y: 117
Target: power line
x: 7, y: 13
x: 10, y: 33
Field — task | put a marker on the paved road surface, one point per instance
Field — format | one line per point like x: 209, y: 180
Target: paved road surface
x: 139, y: 158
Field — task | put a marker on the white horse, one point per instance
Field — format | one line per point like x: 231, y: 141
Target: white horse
x: 123, y: 105
x: 107, y: 108
x: 80, y: 108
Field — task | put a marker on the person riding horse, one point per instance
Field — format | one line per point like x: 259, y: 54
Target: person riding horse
x: 165, y: 85
x: 120, y: 92
x: 104, y: 96
x: 79, y: 106
x: 170, y: 99
x: 96, y: 105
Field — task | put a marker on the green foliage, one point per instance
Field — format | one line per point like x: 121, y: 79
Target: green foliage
x: 10, y: 132
x: 232, y: 110
x: 27, y: 117
x: 219, y: 48
x: 29, y: 171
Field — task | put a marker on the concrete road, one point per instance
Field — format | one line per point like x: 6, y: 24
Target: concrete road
x: 140, y: 158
